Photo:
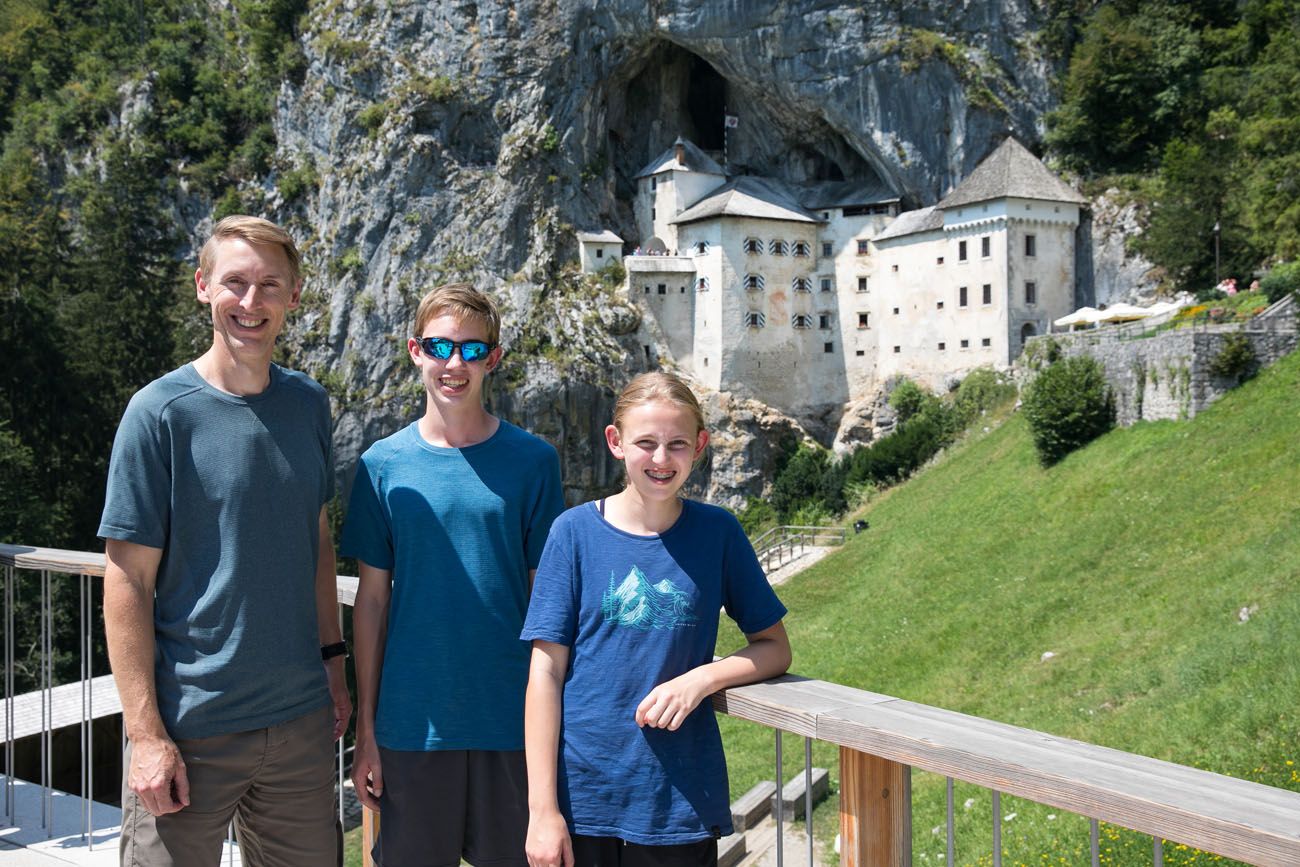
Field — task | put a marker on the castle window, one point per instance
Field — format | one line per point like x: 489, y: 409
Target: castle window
x: 647, y: 353
x: 895, y: 311
x: 754, y: 281
x: 860, y: 352
x: 600, y: 253
x: 824, y: 321
x: 681, y: 290
x: 801, y: 284
x: 802, y: 250
x: 1031, y: 292
x: 1031, y: 245
x: 701, y: 284
x: 753, y: 246
x: 864, y: 320
x: 897, y: 349
x: 828, y: 347
x: 701, y: 248
x: 965, y: 344
x: 986, y: 246
x: 652, y: 183
x: 826, y: 249
x: 938, y: 305
x: 826, y: 284
x: 987, y: 294
x: 942, y: 346
x: 962, y: 299
x: 938, y: 260
x: 864, y: 247
x: 862, y: 284
x: 647, y: 290
x: 895, y: 267
x: 961, y: 251
x: 652, y: 214
x: 755, y: 319
x: 777, y: 247
x: 986, y: 342
x: 663, y: 289
x: 801, y: 320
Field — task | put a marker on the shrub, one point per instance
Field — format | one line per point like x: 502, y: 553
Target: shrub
x: 799, y: 482
x: 908, y: 399
x: 757, y: 517
x: 1280, y: 281
x: 1067, y: 406
x: 371, y: 118
x: 1236, y: 360
x: 983, y: 389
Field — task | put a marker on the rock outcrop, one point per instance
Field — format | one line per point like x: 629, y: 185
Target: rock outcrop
x: 468, y: 140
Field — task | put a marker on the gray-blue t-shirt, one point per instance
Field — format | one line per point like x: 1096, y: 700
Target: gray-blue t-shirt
x: 637, y: 611
x: 230, y: 488
x: 459, y: 529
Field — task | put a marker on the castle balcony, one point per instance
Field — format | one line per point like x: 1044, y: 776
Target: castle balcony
x: 882, y: 743
x: 659, y: 264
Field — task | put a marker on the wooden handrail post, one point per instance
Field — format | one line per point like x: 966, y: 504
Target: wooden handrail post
x: 369, y: 834
x: 875, y: 811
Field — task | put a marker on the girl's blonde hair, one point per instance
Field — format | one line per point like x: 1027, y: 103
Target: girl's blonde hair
x: 657, y: 386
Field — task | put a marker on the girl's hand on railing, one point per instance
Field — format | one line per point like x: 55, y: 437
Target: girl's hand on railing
x: 548, y: 843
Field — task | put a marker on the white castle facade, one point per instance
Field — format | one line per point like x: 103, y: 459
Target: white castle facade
x: 807, y: 297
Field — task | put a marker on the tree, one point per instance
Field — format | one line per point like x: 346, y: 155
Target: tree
x: 1068, y: 405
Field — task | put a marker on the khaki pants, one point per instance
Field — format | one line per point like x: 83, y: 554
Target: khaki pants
x: 277, y: 784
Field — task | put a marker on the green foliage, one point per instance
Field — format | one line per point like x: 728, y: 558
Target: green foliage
x: 1067, y: 406
x: 430, y: 88
x: 299, y: 181
x: 613, y: 273
x: 982, y: 390
x: 1283, y: 280
x: 347, y: 263
x: 800, y: 481
x: 908, y: 399
x: 1236, y: 360
x: 1207, y: 95
x: 917, y: 46
x: 371, y: 118
x: 550, y: 141
x: 757, y: 517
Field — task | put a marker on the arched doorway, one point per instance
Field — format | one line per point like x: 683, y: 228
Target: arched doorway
x: 1027, y: 331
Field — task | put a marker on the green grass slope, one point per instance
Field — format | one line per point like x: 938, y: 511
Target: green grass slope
x: 1130, y: 561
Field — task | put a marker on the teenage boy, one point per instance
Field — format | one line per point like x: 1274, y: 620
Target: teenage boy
x: 447, y: 518
x: 219, y: 590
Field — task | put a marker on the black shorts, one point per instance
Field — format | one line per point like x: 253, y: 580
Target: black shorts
x: 444, y: 805
x: 613, y: 852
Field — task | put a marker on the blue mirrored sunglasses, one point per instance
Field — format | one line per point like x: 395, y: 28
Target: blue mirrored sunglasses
x: 441, y: 348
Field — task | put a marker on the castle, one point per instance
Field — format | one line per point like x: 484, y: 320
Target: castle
x: 809, y: 297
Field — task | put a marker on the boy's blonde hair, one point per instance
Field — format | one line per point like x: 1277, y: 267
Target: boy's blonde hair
x: 255, y: 231
x: 464, y: 302
x: 657, y: 386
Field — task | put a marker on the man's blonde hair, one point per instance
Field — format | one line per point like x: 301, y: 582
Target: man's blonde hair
x: 255, y: 231
x: 464, y: 302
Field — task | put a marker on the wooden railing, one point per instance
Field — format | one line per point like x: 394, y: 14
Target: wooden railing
x: 882, y: 738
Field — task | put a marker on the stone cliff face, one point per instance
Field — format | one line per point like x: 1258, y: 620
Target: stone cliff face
x: 469, y: 139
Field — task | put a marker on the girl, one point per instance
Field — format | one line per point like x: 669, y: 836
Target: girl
x: 628, y: 769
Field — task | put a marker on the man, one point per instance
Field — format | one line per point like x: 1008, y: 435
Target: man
x: 447, y: 519
x: 219, y: 590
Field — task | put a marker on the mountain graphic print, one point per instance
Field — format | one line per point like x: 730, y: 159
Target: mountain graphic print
x: 638, y: 604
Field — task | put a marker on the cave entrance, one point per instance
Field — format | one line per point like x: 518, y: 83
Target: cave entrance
x: 706, y: 103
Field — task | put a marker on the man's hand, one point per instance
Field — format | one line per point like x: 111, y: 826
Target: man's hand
x: 670, y: 703
x: 339, y: 698
x: 157, y: 776
x: 367, y: 775
x: 548, y: 843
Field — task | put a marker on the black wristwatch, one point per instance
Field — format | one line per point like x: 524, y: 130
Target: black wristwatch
x: 329, y: 651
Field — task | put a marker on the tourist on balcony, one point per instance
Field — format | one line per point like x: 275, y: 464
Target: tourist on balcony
x: 447, y: 519
x: 219, y: 590
x: 625, y: 761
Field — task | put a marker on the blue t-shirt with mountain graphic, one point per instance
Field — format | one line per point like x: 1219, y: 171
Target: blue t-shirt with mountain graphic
x: 637, y: 611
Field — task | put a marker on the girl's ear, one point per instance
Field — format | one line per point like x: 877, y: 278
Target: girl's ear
x: 701, y: 440
x: 614, y: 441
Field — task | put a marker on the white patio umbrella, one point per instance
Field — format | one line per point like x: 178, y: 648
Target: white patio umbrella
x: 1082, y: 316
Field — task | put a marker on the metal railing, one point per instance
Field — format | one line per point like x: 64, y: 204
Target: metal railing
x: 789, y: 542
x: 881, y: 739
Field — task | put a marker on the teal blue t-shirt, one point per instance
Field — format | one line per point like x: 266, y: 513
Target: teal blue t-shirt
x: 459, y: 529
x: 230, y: 488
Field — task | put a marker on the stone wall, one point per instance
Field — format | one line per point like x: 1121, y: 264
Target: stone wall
x: 1167, y: 375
